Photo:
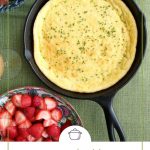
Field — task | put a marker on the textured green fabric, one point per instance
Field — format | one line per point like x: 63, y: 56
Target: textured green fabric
x: 131, y: 103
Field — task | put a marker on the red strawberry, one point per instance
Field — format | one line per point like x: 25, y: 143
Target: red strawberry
x: 49, y: 122
x: 4, y: 2
x: 56, y: 138
x: 50, y: 103
x: 29, y: 113
x: 66, y: 125
x: 30, y: 138
x: 3, y: 133
x: 16, y: 99
x: 10, y: 107
x: 1, y: 109
x: 43, y: 114
x: 26, y: 124
x: 37, y: 110
x: 36, y: 130
x: 53, y: 131
x: 37, y: 101
x: 13, y: 123
x: 5, y: 120
x: 11, y: 132
x: 26, y: 101
x: 40, y: 139
x: 48, y: 140
x: 19, y: 117
x: 5, y: 115
x: 20, y: 139
x: 56, y: 114
x: 23, y: 132
x: 42, y: 105
x: 44, y: 134
x: 4, y: 123
x: 7, y: 139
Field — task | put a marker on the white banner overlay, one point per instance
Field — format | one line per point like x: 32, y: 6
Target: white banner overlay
x: 3, y: 146
x: 83, y: 146
x: 146, y: 146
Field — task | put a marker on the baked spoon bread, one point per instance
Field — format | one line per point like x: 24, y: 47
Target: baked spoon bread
x: 84, y: 45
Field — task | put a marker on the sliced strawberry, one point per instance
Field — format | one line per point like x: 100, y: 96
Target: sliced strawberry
x: 4, y: 2
x: 36, y: 130
x: 16, y: 99
x: 29, y: 113
x: 1, y: 109
x: 19, y: 117
x: 37, y: 101
x: 56, y: 138
x: 56, y: 114
x: 48, y: 140
x: 26, y: 101
x: 50, y: 103
x: 40, y: 139
x: 11, y: 132
x: 23, y: 132
x: 5, y: 120
x: 30, y: 138
x: 49, y: 122
x: 53, y: 131
x: 26, y: 124
x: 44, y: 134
x: 37, y: 110
x: 20, y: 139
x: 7, y: 139
x: 43, y: 105
x: 10, y: 107
x: 5, y: 115
x: 3, y: 133
x: 43, y: 114
x: 13, y: 123
x: 66, y: 125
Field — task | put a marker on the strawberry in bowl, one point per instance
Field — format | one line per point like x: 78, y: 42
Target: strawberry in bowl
x: 33, y: 114
x: 4, y: 2
x: 9, y: 4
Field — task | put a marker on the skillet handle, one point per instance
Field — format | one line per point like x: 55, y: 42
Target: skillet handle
x: 111, y: 119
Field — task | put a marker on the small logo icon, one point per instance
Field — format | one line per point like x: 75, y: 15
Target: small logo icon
x: 75, y: 134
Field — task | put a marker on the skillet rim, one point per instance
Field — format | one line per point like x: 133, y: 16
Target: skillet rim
x: 103, y: 93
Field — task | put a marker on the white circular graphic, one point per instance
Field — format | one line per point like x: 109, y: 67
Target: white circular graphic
x: 75, y: 134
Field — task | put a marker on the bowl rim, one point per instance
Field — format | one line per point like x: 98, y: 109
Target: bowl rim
x: 10, y: 5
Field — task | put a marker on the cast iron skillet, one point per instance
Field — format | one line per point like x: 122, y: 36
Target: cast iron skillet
x: 105, y: 97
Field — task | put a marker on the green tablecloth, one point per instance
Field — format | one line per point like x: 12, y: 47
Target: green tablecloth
x: 131, y: 103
